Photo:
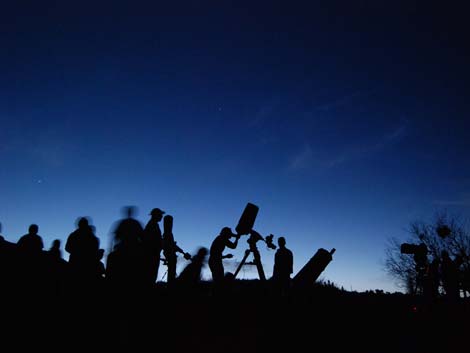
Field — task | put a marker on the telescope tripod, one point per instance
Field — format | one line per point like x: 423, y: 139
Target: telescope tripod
x: 256, y: 259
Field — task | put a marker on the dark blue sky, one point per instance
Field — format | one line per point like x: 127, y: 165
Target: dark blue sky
x: 343, y: 122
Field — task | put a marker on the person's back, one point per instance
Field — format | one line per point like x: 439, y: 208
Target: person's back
x: 30, y: 261
x: 55, y: 251
x: 31, y: 243
x: 283, y: 261
x: 129, y: 231
x: 83, y: 247
x: 283, y: 266
x: 190, y: 276
x: 82, y: 244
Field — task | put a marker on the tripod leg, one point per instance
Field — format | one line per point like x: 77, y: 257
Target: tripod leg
x: 259, y: 266
x: 247, y: 252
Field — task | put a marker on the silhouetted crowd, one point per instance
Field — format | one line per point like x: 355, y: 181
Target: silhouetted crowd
x: 115, y: 303
x: 133, y: 262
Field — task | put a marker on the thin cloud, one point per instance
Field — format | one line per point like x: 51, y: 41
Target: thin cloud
x: 302, y: 159
x: 263, y: 114
x: 359, y: 152
x: 344, y: 100
x: 465, y: 201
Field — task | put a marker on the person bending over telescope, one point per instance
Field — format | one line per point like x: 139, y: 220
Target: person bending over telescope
x: 216, y: 253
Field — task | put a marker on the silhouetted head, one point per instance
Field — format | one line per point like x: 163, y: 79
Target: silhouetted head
x: 157, y: 214
x: 83, y: 223
x: 227, y: 232
x: 56, y: 244
x: 129, y: 211
x: 444, y: 254
x: 281, y: 241
x: 33, y: 229
x: 201, y: 253
x: 100, y: 254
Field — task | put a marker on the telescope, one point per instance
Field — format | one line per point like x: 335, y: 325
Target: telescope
x: 247, y: 219
x: 313, y: 268
x: 245, y: 226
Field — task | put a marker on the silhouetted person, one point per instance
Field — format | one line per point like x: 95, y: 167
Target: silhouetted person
x: 152, y: 244
x: 190, y: 276
x: 31, y: 243
x: 450, y: 276
x: 56, y: 267
x: 216, y: 253
x: 126, y: 264
x: 283, y: 266
x: 128, y: 232
x: 31, y: 261
x: 55, y: 251
x: 83, y: 245
x: 170, y: 248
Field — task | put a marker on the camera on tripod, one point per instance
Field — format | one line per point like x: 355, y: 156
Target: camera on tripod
x: 419, y: 253
x: 413, y: 249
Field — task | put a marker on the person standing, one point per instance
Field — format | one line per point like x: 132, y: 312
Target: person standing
x: 31, y: 243
x: 283, y: 266
x: 31, y: 259
x: 152, y: 245
x: 83, y: 246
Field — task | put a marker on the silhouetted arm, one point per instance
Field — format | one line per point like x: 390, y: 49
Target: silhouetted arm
x: 232, y: 245
x: 186, y: 255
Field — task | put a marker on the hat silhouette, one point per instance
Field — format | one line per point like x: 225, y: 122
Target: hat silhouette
x: 156, y: 211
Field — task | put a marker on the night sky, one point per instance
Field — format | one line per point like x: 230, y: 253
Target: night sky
x: 343, y: 121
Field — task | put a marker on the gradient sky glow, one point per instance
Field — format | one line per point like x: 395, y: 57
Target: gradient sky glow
x: 343, y: 122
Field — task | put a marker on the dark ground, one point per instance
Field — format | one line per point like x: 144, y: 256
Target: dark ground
x: 247, y: 318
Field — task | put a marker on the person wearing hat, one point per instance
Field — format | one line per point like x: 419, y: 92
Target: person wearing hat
x: 152, y: 244
x: 216, y: 253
